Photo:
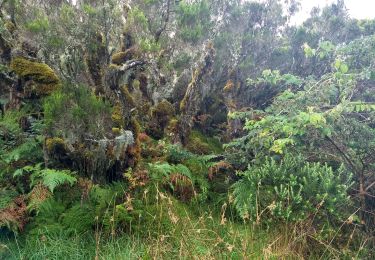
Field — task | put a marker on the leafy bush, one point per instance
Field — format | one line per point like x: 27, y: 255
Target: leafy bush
x: 291, y: 190
x: 321, y: 120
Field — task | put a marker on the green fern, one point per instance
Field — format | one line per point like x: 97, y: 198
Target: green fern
x: 48, y: 177
x: 202, y: 162
x: 54, y: 178
x: 159, y: 171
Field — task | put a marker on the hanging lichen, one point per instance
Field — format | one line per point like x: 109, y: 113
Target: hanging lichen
x: 122, y: 142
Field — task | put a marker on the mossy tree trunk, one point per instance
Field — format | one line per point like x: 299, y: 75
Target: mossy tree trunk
x: 195, y: 93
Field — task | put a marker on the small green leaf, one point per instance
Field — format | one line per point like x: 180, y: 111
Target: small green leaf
x: 344, y: 68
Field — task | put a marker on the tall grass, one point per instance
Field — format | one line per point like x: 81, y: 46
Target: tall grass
x: 72, y: 247
x: 177, y: 231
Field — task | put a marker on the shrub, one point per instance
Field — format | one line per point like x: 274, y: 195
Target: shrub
x: 291, y: 190
x: 74, y: 112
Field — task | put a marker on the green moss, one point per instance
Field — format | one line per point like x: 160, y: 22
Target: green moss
x: 136, y: 84
x: 55, y: 145
x: 46, y: 81
x: 117, y: 116
x: 119, y: 58
x: 113, y: 67
x: 39, y: 72
x: 116, y: 131
x: 124, y: 56
x: 128, y: 97
x: 173, y: 126
x: 183, y: 104
x: 192, y: 84
x: 135, y: 127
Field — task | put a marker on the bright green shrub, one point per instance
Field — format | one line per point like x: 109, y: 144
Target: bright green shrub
x: 291, y: 190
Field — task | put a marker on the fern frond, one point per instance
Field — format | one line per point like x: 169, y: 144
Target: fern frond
x: 183, y: 170
x: 54, y: 178
x: 160, y: 170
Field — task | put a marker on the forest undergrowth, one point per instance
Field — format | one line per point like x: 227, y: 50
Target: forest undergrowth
x: 205, y: 129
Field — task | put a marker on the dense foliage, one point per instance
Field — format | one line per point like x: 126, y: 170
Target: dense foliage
x: 185, y: 129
